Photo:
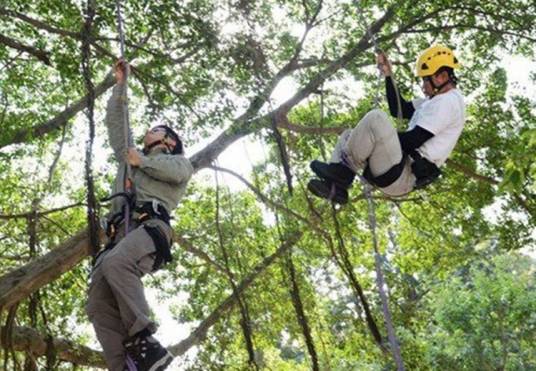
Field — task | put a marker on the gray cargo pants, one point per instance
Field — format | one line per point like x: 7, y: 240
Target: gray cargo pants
x: 116, y: 304
x: 375, y: 141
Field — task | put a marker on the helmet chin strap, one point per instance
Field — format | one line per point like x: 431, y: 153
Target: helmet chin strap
x: 437, y: 88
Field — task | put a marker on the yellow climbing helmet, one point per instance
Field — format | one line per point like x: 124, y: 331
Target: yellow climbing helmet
x: 433, y: 58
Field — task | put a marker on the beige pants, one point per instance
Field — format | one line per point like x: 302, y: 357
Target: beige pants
x: 116, y: 304
x: 375, y: 141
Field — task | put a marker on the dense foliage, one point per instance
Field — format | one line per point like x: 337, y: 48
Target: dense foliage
x: 461, y: 286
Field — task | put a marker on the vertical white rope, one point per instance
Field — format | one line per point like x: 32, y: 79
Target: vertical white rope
x: 380, y: 281
x: 367, y: 189
x: 120, y: 31
x: 126, y: 125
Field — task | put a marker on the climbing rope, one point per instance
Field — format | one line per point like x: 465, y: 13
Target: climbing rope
x: 127, y: 183
x: 128, y: 186
x: 321, y: 123
x: 377, y: 49
x: 380, y: 281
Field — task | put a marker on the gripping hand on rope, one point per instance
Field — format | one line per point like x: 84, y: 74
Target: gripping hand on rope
x: 133, y: 157
x: 384, y: 65
x: 122, y: 70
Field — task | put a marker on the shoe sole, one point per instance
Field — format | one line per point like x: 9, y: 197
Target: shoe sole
x: 318, y: 169
x: 322, y: 190
x: 162, y: 363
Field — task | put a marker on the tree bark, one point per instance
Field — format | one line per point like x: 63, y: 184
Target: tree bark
x: 25, y: 280
x: 26, y: 339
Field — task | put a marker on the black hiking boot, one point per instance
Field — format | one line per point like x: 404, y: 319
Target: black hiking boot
x: 328, y: 190
x: 147, y: 354
x: 334, y: 172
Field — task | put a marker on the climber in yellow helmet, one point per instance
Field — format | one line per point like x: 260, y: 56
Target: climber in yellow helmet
x: 398, y: 162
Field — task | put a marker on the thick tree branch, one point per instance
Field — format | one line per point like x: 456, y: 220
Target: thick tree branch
x: 37, y: 53
x: 25, y: 134
x: 79, y: 245
x: 23, y: 281
x: 26, y: 339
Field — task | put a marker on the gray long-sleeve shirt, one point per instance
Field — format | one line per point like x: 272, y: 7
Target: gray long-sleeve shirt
x: 160, y: 176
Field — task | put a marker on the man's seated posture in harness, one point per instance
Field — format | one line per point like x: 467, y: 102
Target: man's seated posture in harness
x: 395, y: 162
x: 116, y: 305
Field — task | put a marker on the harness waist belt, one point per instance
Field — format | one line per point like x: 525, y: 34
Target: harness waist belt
x: 150, y: 210
x: 387, y: 178
x: 142, y: 213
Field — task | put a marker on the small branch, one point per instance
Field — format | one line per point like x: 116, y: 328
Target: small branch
x: 187, y: 245
x: 199, y: 334
x: 470, y: 173
x: 471, y: 27
x: 242, y: 305
x: 168, y: 87
x: 58, y: 225
x: 38, y: 24
x: 342, y: 259
x: 273, y: 204
x: 301, y: 316
x: 39, y: 214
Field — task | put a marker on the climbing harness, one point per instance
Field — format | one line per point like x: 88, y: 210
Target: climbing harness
x: 133, y: 212
x: 140, y: 214
x: 387, y: 178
